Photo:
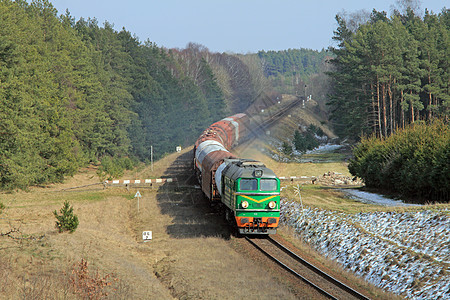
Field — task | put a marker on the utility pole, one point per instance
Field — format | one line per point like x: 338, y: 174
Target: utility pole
x: 151, y: 156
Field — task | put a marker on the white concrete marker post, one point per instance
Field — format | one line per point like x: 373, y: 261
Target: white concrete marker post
x: 138, y: 195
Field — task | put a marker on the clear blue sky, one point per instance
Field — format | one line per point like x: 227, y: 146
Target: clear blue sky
x: 238, y: 26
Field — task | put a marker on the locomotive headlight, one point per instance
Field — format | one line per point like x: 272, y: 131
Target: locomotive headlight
x: 272, y: 204
x: 258, y: 173
x: 244, y: 204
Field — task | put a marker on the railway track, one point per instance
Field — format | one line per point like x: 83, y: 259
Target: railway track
x: 311, y: 275
x: 259, y: 127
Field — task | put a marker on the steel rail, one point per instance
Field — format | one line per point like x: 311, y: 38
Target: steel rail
x: 318, y: 271
x: 277, y: 115
x: 320, y: 290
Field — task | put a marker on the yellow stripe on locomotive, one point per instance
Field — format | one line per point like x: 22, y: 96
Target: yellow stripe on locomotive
x: 252, y: 192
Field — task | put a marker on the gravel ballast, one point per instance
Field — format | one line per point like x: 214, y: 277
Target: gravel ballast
x: 405, y: 253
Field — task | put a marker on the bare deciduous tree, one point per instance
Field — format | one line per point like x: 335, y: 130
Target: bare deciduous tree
x: 354, y: 19
x: 404, y: 5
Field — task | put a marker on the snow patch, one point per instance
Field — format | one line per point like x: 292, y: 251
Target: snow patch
x: 327, y: 148
x: 405, y: 253
x: 372, y: 198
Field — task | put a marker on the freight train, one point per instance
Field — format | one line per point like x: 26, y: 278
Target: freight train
x: 245, y: 189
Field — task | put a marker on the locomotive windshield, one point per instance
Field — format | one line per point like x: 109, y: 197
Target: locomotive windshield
x: 265, y: 184
x: 268, y: 185
x: 249, y: 184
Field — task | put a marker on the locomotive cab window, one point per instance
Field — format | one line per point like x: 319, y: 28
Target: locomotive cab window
x: 268, y: 185
x: 248, y: 184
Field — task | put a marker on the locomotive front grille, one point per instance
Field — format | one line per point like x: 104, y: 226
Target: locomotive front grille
x: 257, y: 226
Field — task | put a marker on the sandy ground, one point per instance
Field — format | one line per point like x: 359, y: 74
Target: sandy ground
x: 191, y: 255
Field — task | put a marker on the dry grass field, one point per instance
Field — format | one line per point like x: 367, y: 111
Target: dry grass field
x: 191, y: 255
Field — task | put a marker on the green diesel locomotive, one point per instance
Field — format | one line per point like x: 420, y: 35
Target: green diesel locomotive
x: 250, y: 193
x: 247, y: 190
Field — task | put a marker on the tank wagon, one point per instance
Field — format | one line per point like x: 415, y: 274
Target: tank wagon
x: 245, y: 189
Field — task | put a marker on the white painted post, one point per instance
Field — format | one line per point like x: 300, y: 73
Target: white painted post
x: 138, y: 195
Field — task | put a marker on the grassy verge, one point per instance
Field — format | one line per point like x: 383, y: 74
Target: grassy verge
x: 257, y: 149
x: 330, y: 198
x: 325, y: 157
x: 190, y: 256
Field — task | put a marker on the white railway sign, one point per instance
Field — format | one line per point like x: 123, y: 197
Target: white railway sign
x: 146, y: 235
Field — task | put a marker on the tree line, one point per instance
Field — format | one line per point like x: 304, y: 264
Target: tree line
x: 389, y: 72
x: 303, y: 62
x: 73, y: 93
x: 290, y: 70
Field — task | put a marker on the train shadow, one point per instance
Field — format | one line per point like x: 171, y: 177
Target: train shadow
x: 183, y: 201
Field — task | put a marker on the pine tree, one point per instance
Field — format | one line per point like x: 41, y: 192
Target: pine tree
x: 67, y: 220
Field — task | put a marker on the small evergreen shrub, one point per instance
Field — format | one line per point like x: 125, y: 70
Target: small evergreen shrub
x: 305, y: 141
x: 67, y: 221
x: 413, y: 162
x: 286, y: 148
x: 316, y: 130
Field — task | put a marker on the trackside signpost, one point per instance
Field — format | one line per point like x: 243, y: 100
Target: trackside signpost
x: 138, y: 195
x: 146, y: 236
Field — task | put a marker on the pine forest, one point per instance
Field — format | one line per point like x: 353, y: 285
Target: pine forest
x: 390, y: 72
x: 74, y: 93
